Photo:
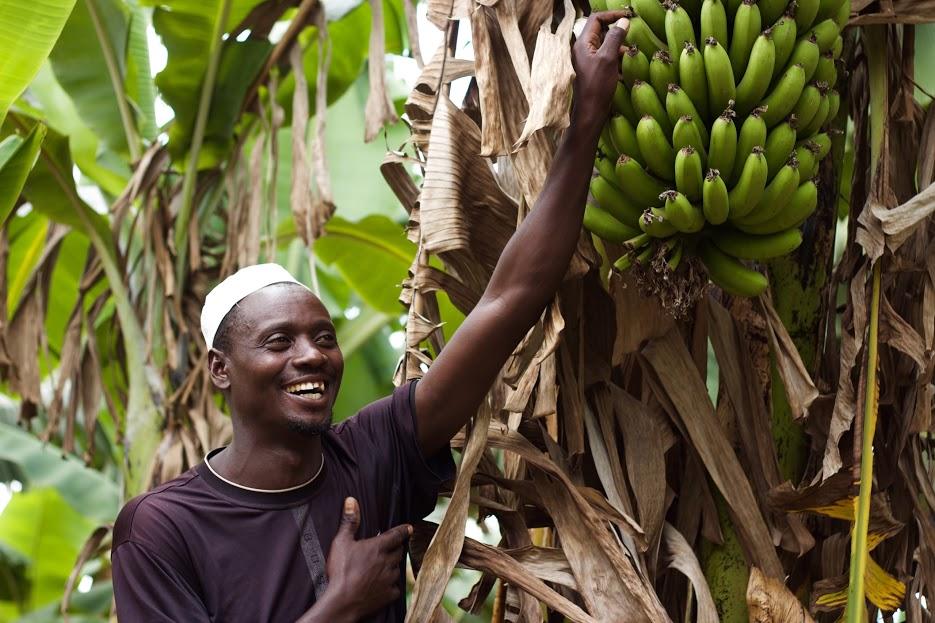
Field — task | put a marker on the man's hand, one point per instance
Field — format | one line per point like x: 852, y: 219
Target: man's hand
x: 363, y: 576
x: 596, y: 59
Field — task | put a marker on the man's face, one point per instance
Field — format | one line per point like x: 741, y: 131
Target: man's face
x: 284, y: 366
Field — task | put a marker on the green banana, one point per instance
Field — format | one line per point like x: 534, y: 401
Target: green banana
x: 752, y: 134
x: 722, y: 149
x: 599, y: 222
x: 805, y: 12
x: 688, y: 173
x: 824, y: 144
x: 820, y: 117
x: 825, y: 33
x: 782, y: 99
x: 605, y: 145
x: 679, y: 104
x: 745, y: 246
x: 780, y: 143
x: 748, y: 190
x: 679, y: 30
x: 654, y: 222
x: 834, y: 105
x: 828, y: 9
x: 609, y: 198
x: 598, y: 5
x: 837, y: 47
x: 826, y: 71
x: 784, y: 33
x: 692, y: 79
x: 686, y: 134
x: 843, y: 16
x: 806, y: 54
x: 676, y: 257
x: 623, y: 105
x: 662, y: 73
x: 633, y: 66
x: 617, y: 5
x: 655, y: 147
x: 806, y: 107
x: 713, y: 20
x: 605, y: 168
x: 623, y: 137
x: 747, y: 26
x: 807, y: 155
x: 721, y: 87
x: 728, y: 273
x: 732, y: 6
x: 647, y: 102
x: 653, y: 13
x: 756, y: 78
x: 643, y: 37
x: 641, y: 187
x: 800, y: 206
x: 714, y: 200
x: 772, y: 10
x: 681, y: 213
x: 775, y: 196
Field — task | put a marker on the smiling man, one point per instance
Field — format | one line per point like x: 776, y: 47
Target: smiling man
x: 299, y: 520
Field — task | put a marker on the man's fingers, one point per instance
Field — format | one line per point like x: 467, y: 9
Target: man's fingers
x: 394, y: 537
x: 350, y: 519
x: 616, y: 34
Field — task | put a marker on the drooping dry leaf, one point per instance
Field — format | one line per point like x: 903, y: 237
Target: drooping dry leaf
x: 800, y: 390
x: 679, y: 555
x: 639, y: 318
x: 675, y: 371
x: 442, y: 12
x: 769, y: 601
x: 553, y: 76
x: 899, y: 223
x: 379, y: 109
x: 442, y: 554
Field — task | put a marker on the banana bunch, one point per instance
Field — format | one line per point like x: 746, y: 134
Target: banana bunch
x: 717, y: 132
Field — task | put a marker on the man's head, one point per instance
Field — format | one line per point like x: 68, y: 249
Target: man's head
x: 274, y: 352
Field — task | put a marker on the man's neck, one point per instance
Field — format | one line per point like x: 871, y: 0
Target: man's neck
x: 261, y: 466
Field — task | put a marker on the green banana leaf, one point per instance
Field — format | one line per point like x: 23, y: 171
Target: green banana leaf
x: 40, y: 465
x: 50, y: 187
x: 43, y: 528
x: 26, y: 46
x: 187, y: 28
x: 81, y: 67
x: 139, y: 83
x: 27, y: 236
x: 17, y: 157
x: 104, y: 167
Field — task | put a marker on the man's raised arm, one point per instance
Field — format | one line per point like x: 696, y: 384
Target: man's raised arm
x: 535, y: 260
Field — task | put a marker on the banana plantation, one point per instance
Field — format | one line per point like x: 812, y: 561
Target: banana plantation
x: 726, y: 413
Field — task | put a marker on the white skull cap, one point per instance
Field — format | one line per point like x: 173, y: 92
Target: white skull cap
x: 222, y: 298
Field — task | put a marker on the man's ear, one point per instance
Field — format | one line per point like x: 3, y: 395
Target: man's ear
x: 218, y: 369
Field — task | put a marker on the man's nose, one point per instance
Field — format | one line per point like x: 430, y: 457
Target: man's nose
x: 308, y: 353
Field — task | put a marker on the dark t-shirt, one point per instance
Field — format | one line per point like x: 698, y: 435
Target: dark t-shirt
x: 198, y: 549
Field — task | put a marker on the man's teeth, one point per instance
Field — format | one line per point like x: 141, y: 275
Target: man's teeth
x: 301, y: 388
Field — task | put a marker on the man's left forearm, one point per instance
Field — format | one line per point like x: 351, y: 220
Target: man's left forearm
x: 536, y: 258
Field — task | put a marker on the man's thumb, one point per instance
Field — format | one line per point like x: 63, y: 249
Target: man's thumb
x: 617, y: 33
x: 350, y: 520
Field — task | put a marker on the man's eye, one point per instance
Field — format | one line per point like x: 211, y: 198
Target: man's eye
x: 278, y: 339
x: 327, y: 338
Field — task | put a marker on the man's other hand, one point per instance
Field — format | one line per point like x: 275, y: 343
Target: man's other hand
x: 363, y: 575
x: 596, y: 59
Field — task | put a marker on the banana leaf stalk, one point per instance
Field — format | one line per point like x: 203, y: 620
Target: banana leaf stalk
x: 201, y: 122
x: 875, y: 44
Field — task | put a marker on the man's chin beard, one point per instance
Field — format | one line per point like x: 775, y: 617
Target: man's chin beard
x: 307, y: 428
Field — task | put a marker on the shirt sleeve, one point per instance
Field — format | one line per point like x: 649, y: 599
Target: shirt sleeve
x: 387, y: 441
x: 148, y: 589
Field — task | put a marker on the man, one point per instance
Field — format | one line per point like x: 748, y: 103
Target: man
x: 242, y: 536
